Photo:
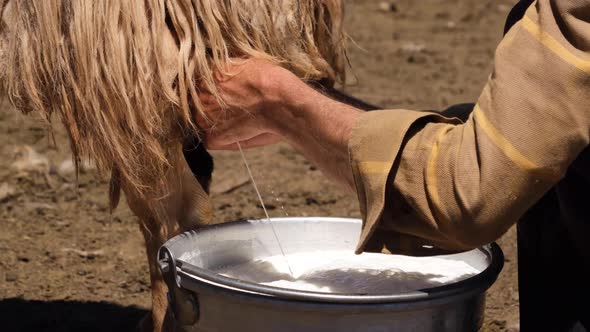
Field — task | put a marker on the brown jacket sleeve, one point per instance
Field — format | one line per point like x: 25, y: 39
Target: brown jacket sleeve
x: 423, y: 179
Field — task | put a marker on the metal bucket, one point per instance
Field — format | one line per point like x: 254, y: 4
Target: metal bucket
x: 203, y: 300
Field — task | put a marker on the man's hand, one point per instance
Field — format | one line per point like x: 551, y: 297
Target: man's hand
x: 263, y: 103
x: 250, y: 102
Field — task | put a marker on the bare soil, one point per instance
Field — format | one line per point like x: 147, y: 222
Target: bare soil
x: 66, y: 264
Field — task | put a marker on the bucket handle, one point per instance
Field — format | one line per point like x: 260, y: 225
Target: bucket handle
x: 183, y: 305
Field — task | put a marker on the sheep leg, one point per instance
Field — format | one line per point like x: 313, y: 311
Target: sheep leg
x: 187, y: 206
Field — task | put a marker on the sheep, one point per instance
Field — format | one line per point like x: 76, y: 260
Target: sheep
x: 123, y: 77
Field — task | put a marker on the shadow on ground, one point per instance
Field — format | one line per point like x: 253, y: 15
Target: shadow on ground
x: 19, y: 315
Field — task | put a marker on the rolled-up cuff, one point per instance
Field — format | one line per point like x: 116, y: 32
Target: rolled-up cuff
x: 375, y: 145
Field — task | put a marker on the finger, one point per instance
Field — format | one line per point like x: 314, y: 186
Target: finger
x: 240, y: 128
x: 254, y: 142
x: 206, y: 105
x: 207, y: 99
x: 209, y: 117
x: 261, y: 140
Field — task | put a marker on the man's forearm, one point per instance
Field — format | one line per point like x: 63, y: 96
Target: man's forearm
x: 319, y: 127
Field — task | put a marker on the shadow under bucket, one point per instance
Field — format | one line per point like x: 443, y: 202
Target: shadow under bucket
x: 232, y: 277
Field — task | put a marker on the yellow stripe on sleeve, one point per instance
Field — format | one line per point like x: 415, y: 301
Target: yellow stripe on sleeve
x: 552, y: 44
x: 431, y: 177
x: 506, y: 147
x: 501, y: 142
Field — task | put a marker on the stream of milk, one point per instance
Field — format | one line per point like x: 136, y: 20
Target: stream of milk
x: 284, y: 257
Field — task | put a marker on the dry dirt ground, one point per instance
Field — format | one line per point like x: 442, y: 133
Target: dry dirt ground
x: 67, y: 265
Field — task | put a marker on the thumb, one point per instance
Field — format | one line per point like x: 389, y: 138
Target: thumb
x: 231, y: 131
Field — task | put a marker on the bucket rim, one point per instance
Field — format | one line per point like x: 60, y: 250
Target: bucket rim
x: 181, y: 269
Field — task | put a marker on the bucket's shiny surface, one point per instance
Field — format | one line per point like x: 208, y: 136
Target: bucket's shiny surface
x: 206, y: 301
